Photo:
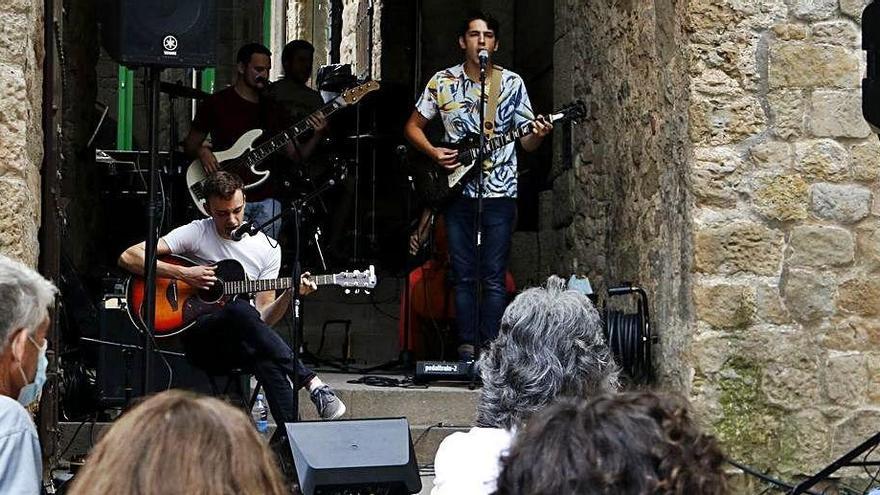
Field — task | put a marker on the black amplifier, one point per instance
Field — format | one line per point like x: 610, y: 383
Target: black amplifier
x: 456, y: 371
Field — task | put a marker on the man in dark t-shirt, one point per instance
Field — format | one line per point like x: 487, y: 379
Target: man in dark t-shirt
x: 229, y: 113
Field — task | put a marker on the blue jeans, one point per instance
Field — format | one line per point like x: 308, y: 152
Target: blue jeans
x: 259, y: 212
x: 499, y: 215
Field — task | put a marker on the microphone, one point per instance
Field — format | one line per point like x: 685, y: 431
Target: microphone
x: 401, y: 151
x: 484, y: 58
x: 239, y: 232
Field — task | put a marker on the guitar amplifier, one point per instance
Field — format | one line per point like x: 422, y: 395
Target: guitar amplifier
x: 120, y: 361
x: 447, y: 371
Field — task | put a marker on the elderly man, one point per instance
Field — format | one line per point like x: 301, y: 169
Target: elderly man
x: 25, y: 297
x: 550, y: 346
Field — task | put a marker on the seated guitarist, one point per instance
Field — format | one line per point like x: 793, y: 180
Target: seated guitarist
x: 453, y: 94
x: 240, y: 334
x: 231, y: 112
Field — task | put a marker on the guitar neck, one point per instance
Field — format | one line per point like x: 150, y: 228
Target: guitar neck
x: 503, y: 140
x: 265, y: 150
x: 249, y: 286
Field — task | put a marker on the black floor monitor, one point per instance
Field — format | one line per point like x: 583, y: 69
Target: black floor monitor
x: 354, y: 456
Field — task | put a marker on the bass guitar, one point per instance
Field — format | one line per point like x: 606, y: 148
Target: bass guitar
x: 437, y: 188
x: 243, y: 158
x: 179, y: 304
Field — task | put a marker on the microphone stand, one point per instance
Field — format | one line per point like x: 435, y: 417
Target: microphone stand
x: 481, y: 156
x: 295, y: 321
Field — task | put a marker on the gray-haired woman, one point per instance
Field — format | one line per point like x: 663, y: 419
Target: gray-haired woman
x: 550, y: 346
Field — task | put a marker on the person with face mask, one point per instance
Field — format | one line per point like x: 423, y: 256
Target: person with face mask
x: 25, y: 298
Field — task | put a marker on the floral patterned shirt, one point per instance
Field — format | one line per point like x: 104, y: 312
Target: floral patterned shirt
x: 456, y: 97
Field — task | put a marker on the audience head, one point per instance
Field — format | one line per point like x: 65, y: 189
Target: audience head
x: 624, y: 444
x: 550, y: 345
x: 25, y: 299
x: 181, y: 442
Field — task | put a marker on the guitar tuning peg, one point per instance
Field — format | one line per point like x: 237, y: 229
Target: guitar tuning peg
x: 367, y: 292
x: 348, y: 291
x: 357, y: 291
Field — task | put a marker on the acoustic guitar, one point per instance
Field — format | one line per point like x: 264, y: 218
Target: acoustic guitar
x: 179, y: 304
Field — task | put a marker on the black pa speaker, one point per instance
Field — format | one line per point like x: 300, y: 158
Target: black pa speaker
x: 120, y: 363
x: 871, y: 81
x: 164, y: 33
x: 354, y: 456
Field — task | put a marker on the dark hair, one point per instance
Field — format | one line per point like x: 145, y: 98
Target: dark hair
x: 247, y: 51
x: 222, y: 185
x: 294, y: 46
x: 474, y: 15
x: 636, y: 443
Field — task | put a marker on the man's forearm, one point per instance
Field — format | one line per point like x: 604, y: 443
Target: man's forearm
x: 274, y: 311
x: 133, y: 258
x: 417, y: 138
x: 531, y: 142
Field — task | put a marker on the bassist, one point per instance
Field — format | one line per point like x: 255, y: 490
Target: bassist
x: 453, y: 94
x: 229, y: 113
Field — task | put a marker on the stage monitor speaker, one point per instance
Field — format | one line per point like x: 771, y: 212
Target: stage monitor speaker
x: 354, y: 456
x: 163, y: 33
x: 120, y: 367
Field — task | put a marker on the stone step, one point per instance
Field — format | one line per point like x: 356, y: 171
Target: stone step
x: 433, y: 413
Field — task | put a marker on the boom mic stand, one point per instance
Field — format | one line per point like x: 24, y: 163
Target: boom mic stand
x: 295, y: 210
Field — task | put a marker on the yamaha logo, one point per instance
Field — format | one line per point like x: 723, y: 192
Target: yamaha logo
x: 170, y: 45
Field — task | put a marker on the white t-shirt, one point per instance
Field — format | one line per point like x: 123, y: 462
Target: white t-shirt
x: 469, y: 463
x: 21, y: 464
x: 260, y: 255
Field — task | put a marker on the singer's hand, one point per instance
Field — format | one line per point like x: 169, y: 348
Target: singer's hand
x: 200, y: 277
x: 306, y: 284
x: 446, y: 158
x: 209, y: 161
x: 541, y: 126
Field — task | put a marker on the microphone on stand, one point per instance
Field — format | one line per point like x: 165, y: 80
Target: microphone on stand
x: 239, y: 232
x: 483, y: 55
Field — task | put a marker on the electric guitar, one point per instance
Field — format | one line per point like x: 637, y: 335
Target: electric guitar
x: 179, y: 304
x: 469, y: 148
x: 243, y: 157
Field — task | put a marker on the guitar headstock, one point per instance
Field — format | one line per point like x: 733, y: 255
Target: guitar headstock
x: 575, y: 111
x: 356, y: 279
x: 354, y: 95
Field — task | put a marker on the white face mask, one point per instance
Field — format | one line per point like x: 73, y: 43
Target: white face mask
x: 30, y: 392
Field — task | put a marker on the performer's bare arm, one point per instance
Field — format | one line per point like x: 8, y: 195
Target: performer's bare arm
x: 194, y: 146
x: 414, y: 130
x: 132, y: 259
x: 272, y: 309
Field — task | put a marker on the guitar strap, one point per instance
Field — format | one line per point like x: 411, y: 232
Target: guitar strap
x: 491, y: 107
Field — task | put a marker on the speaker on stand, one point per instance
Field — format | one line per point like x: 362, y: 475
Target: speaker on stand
x: 158, y: 34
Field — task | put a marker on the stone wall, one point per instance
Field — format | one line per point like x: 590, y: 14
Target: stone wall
x: 725, y: 166
x: 21, y: 136
x: 621, y: 211
x: 785, y: 230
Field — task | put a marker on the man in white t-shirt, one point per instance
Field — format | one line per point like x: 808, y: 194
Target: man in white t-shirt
x: 239, y: 335
x: 25, y: 298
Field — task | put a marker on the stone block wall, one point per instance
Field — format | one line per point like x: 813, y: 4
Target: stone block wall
x: 21, y: 136
x: 785, y: 230
x: 622, y: 211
